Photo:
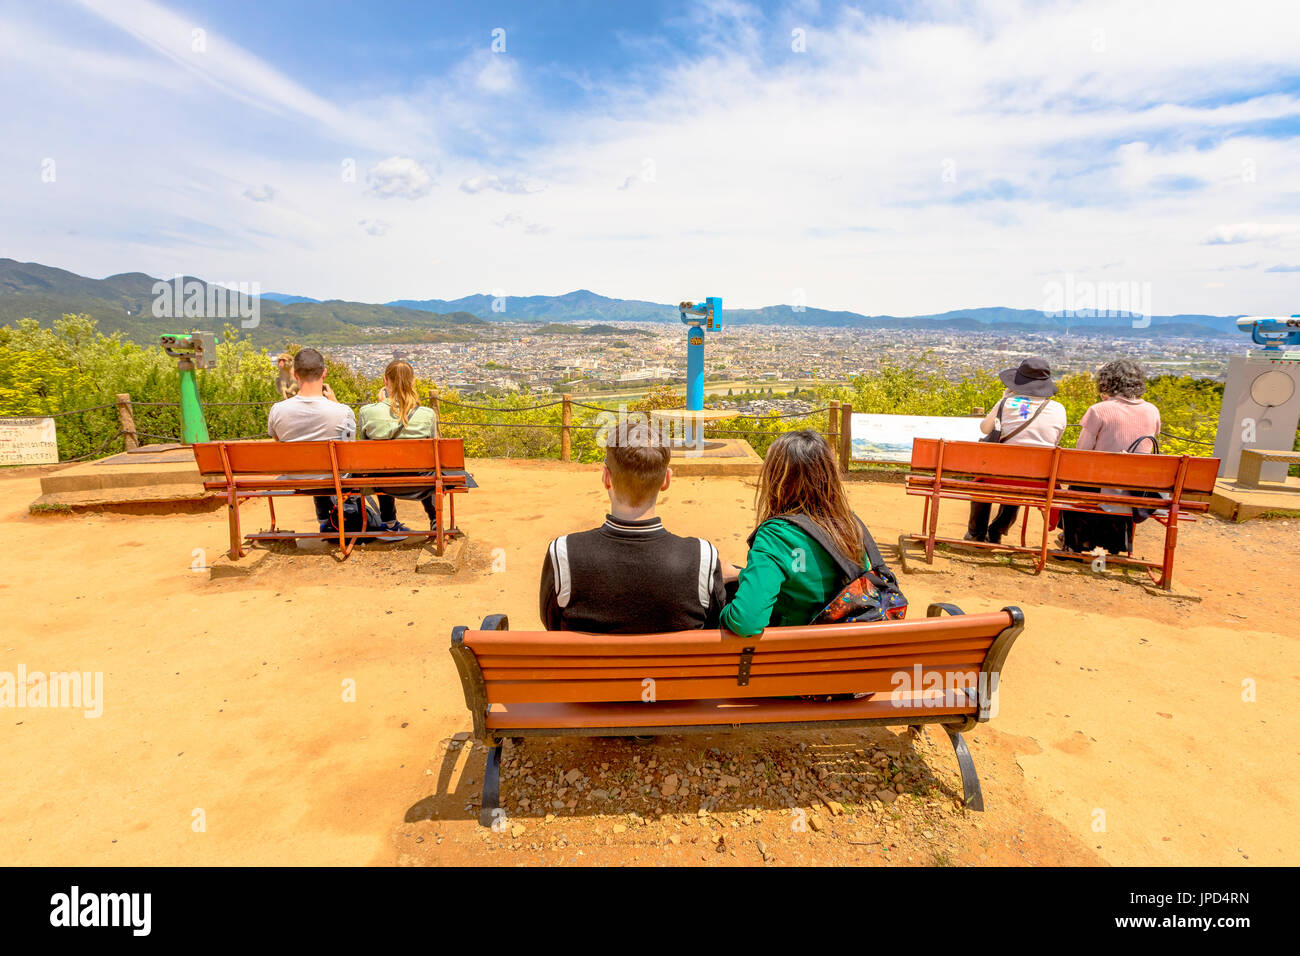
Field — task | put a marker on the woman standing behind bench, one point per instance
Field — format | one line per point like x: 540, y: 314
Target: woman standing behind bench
x: 399, y: 415
x: 789, y: 577
x: 1119, y: 422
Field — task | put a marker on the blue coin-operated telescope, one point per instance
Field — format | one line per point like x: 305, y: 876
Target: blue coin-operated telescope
x: 706, y: 315
x: 1275, y: 333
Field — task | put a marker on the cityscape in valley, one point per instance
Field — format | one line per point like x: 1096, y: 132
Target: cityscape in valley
x: 624, y: 359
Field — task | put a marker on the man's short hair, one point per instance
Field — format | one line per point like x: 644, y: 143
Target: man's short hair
x: 637, y: 461
x: 308, y: 365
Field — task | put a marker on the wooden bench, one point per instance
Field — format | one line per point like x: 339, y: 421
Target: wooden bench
x: 936, y: 669
x: 973, y: 471
x: 1252, y: 460
x: 270, y: 469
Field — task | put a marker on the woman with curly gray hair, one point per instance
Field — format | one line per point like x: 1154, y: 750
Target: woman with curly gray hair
x: 1122, y: 421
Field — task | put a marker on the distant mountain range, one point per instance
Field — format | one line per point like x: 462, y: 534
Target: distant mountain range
x: 584, y: 305
x: 125, y: 302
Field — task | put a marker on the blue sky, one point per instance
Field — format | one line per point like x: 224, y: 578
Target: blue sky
x: 883, y: 157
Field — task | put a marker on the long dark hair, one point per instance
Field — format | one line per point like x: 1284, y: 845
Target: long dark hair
x: 801, y: 476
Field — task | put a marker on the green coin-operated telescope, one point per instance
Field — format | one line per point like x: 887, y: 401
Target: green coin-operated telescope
x: 192, y: 351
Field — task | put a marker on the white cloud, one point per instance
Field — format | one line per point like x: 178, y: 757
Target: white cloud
x: 513, y: 183
x: 1240, y: 232
x: 224, y: 64
x: 514, y: 220
x: 399, y: 177
x: 263, y: 193
x: 494, y: 73
x: 374, y: 227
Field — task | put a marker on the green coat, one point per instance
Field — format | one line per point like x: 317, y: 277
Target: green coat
x: 787, y: 580
x: 377, y: 422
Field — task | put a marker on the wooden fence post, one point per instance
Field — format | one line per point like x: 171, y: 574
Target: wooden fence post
x: 126, y: 419
x: 833, y: 427
x: 846, y: 436
x: 566, y: 421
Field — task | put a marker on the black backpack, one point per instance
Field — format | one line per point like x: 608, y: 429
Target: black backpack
x: 356, y: 517
x: 871, y: 594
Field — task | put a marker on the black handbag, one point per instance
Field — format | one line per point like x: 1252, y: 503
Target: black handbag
x: 1141, y: 514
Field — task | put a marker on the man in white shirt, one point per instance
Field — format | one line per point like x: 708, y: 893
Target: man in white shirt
x: 312, y: 415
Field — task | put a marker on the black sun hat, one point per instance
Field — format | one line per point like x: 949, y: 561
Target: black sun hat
x: 1032, y: 377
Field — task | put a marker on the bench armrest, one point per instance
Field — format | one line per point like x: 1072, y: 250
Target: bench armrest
x: 937, y: 609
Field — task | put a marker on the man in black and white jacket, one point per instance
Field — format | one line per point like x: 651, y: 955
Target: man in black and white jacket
x: 631, y: 575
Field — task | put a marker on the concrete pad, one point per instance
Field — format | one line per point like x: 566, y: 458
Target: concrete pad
x: 451, y: 561
x: 1177, y: 591
x: 149, y: 499
x: 1237, y: 503
x: 722, y: 456
x: 125, y: 470
x: 223, y: 566
x: 153, y: 474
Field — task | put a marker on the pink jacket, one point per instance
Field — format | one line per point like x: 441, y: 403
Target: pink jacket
x: 1113, y: 425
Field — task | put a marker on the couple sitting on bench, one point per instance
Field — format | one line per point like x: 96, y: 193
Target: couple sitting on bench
x: 314, y: 414
x: 632, y: 576
x: 1028, y: 415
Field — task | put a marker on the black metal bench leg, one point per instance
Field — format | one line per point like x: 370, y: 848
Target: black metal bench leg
x: 487, y: 814
x: 970, y: 781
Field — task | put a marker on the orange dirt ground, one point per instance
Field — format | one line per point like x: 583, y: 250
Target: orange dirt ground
x: 1123, y: 737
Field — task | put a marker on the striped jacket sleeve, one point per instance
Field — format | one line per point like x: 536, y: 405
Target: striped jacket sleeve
x: 555, y: 585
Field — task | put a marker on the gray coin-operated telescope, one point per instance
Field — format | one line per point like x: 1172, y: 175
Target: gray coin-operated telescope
x: 192, y: 351
x: 1261, y: 399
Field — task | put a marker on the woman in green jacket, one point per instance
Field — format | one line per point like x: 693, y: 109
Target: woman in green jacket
x: 399, y: 415
x: 789, y: 577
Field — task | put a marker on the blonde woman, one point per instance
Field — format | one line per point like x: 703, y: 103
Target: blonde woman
x: 399, y: 414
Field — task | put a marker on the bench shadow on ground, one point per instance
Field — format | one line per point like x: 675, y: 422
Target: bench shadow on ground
x: 723, y: 773
x: 954, y: 557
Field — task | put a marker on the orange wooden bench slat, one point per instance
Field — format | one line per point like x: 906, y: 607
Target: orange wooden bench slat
x: 1077, y: 466
x: 805, y: 638
x: 760, y: 656
x: 1064, y: 499
x: 312, y: 457
x: 658, y: 671
x: 731, y: 711
x: 692, y: 688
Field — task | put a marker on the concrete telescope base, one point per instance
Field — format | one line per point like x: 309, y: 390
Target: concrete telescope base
x: 130, y: 481
x: 720, y: 456
x: 1241, y: 504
